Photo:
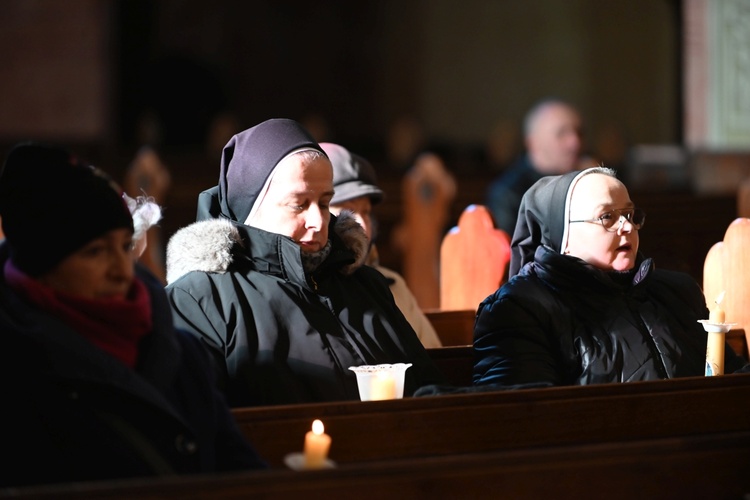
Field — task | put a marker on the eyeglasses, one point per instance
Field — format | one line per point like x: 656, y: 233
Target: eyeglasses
x: 612, y: 220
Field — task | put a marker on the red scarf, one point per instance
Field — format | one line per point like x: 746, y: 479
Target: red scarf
x: 114, y: 325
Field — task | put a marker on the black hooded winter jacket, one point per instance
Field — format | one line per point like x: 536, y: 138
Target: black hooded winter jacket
x: 278, y: 334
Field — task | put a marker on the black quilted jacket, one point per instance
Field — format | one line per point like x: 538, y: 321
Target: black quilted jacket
x: 561, y: 321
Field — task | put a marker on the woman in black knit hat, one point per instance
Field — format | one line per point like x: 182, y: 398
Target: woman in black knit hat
x: 583, y: 306
x: 276, y: 287
x: 96, y: 382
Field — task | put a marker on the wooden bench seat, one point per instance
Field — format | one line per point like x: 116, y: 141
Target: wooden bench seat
x: 453, y: 327
x: 483, y: 422
x: 704, y: 466
x: 455, y: 363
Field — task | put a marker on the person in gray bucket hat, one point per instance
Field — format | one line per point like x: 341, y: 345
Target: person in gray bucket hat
x: 275, y: 286
x: 583, y: 306
x: 356, y: 190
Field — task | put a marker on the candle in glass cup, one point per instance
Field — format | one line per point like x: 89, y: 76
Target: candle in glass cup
x: 317, y: 443
x: 383, y: 387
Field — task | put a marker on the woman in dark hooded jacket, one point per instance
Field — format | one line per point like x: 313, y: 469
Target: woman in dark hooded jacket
x: 276, y: 287
x: 583, y: 306
x: 96, y: 383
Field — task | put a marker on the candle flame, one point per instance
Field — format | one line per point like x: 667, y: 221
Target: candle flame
x: 720, y: 297
x: 317, y: 427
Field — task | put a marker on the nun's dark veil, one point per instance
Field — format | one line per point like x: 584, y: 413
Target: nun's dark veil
x: 542, y: 218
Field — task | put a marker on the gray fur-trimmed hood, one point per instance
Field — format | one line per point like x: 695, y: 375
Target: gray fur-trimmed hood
x: 208, y: 245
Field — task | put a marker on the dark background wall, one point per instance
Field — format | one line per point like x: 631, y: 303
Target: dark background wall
x: 458, y: 68
x: 107, y: 77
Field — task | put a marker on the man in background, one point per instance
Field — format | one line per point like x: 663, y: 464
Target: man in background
x: 552, y: 135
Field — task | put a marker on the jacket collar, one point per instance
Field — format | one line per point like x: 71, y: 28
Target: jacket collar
x: 214, y: 244
x: 567, y: 271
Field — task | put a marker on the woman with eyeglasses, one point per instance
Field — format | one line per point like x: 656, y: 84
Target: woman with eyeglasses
x: 583, y: 306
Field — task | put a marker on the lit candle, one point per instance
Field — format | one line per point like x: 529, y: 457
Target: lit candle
x: 317, y: 443
x: 383, y: 387
x: 717, y: 314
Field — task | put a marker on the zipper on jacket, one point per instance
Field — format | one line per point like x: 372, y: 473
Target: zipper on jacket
x: 314, y: 283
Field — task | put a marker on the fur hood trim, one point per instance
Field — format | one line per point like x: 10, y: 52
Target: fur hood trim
x: 207, y: 246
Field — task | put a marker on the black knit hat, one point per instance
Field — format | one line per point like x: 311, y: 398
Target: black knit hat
x: 51, y: 205
x: 249, y: 158
x: 542, y: 218
x: 353, y: 176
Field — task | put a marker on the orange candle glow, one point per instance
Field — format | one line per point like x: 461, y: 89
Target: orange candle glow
x: 317, y: 443
x: 383, y: 387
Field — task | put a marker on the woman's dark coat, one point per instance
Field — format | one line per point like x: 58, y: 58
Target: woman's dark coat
x: 72, y: 412
x: 278, y: 334
x: 561, y: 321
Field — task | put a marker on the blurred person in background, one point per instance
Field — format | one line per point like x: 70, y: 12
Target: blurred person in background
x: 552, y: 135
x: 356, y: 190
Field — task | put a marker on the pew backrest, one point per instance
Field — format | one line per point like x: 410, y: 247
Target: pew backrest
x: 428, y: 191
x: 705, y: 466
x: 455, y: 363
x: 453, y: 327
x: 474, y: 256
x: 482, y: 422
x: 727, y: 269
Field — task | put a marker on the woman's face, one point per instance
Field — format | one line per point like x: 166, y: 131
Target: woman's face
x: 297, y: 202
x: 102, y: 269
x: 361, y: 207
x: 593, y: 196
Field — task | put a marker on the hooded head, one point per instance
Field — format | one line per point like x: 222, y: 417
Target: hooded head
x: 543, y: 218
x: 52, y: 205
x: 251, y: 156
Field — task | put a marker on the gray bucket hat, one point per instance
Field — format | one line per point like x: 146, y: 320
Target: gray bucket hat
x: 353, y: 176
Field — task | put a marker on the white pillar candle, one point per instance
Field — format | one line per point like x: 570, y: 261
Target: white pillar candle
x: 715, y: 354
x: 717, y: 315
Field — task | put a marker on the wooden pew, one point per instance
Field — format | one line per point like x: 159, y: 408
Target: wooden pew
x: 483, y: 422
x: 454, y: 328
x: 473, y: 258
x: 727, y: 268
x: 456, y: 363
x: 428, y: 189
x: 706, y: 466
